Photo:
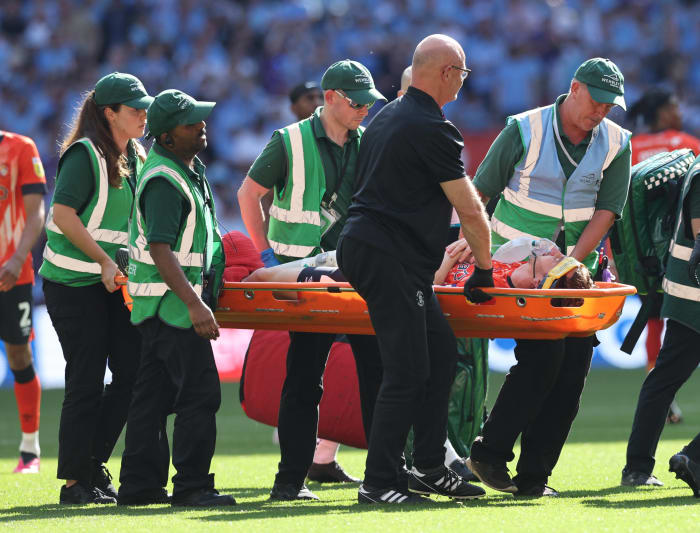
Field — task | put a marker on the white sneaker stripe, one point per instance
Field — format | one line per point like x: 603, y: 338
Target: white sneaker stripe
x: 395, y: 497
x: 387, y: 495
x: 401, y: 499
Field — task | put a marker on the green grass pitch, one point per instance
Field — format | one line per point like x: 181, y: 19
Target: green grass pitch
x: 587, y: 477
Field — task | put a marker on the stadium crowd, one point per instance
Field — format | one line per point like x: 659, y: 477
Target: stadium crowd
x: 247, y: 54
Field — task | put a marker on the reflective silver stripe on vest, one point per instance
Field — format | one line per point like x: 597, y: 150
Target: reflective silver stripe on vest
x: 287, y: 215
x: 102, y: 235
x: 533, y: 150
x: 188, y: 234
x: 95, y: 221
x: 683, y: 292
x: 296, y: 214
x: 521, y: 199
x: 70, y: 263
x: 509, y: 232
x: 183, y: 258
x: 154, y: 289
x: 614, y: 142
x: 681, y: 252
x: 579, y: 214
x: 291, y: 250
x: 102, y: 193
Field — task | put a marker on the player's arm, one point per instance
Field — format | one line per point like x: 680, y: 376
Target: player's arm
x: 34, y: 222
x: 67, y: 220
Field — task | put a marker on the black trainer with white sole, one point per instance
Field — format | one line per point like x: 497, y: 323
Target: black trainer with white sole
x: 443, y: 481
x: 367, y: 494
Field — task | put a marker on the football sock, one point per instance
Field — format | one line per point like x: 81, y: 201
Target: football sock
x: 28, y: 396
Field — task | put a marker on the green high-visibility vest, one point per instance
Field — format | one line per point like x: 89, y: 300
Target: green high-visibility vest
x: 197, y: 249
x: 296, y: 221
x: 106, y: 219
x: 682, y: 296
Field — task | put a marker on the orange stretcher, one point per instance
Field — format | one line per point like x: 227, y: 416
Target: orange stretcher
x: 337, y: 308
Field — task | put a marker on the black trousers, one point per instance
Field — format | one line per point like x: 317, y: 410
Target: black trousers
x: 538, y: 401
x: 177, y: 375
x: 94, y: 330
x: 418, y: 353
x: 678, y: 358
x: 302, y: 391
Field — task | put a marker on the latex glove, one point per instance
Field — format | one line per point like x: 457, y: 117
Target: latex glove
x: 479, y: 278
x: 268, y: 258
x: 694, y: 261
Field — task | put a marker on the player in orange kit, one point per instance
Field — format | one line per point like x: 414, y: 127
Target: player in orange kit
x: 22, y: 189
x: 659, y: 112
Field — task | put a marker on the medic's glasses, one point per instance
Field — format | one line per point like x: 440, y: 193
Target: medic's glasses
x: 351, y: 103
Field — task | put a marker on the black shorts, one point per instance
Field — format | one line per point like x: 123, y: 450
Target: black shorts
x: 16, y: 314
x: 314, y: 274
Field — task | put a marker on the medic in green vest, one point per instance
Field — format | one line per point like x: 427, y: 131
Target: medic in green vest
x: 175, y: 264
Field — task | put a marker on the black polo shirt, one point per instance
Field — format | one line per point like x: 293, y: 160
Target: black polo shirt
x: 408, y: 149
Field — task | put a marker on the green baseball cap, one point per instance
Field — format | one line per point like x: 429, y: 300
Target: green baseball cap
x: 604, y: 80
x: 173, y: 108
x: 120, y: 88
x: 354, y: 79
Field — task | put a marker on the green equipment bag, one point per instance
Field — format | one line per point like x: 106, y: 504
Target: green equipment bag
x: 640, y: 239
x: 466, y: 411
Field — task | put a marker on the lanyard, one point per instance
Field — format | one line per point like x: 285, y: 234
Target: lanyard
x: 339, y: 176
x: 561, y: 144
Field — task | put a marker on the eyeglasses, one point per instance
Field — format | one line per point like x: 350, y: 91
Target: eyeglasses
x: 352, y: 104
x: 465, y: 71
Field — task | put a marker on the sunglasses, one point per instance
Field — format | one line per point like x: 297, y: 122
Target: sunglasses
x: 352, y: 104
x: 464, y: 71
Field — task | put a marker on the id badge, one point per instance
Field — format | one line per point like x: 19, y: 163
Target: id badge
x: 329, y: 217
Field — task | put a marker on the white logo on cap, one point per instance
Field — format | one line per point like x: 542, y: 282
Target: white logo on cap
x: 182, y: 102
x: 361, y: 78
x: 611, y: 79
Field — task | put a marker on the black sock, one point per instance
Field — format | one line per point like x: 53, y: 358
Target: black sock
x: 25, y: 375
x: 27, y: 456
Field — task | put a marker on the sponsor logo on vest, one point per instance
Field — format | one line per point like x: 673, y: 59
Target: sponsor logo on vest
x: 611, y: 79
x: 590, y: 179
x: 419, y: 298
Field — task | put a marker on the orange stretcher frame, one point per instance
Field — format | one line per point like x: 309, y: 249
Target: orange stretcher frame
x: 337, y: 308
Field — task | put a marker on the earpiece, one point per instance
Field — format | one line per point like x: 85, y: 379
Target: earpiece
x: 168, y: 139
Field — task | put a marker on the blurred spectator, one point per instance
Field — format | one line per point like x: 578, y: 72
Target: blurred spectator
x: 247, y: 55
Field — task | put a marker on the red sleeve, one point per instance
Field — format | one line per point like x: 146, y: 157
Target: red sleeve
x: 29, y: 164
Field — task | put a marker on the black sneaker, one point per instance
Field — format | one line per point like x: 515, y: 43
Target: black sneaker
x: 102, y: 479
x: 78, y: 495
x: 444, y: 482
x: 687, y: 470
x: 367, y: 494
x: 536, y: 491
x: 460, y: 468
x: 145, y: 497
x: 330, y: 473
x: 493, y: 476
x: 635, y: 478
x: 203, y: 498
x: 288, y: 492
